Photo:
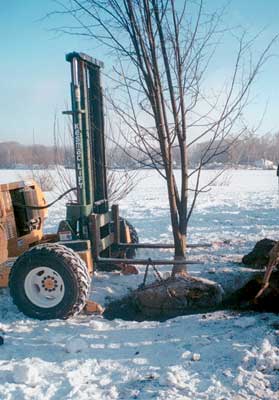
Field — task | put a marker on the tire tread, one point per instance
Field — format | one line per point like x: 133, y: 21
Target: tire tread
x: 66, y: 255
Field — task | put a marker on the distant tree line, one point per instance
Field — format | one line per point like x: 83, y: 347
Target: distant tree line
x: 16, y: 155
x: 244, y: 152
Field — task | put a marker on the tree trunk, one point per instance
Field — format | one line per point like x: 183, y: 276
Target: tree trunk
x: 180, y: 250
x: 178, y: 237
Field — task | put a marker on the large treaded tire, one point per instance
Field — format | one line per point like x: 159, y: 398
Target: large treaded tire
x: 63, y: 261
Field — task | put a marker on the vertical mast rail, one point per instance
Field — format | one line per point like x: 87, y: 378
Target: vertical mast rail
x: 89, y: 142
x: 83, y: 71
x: 77, y: 130
x: 98, y: 137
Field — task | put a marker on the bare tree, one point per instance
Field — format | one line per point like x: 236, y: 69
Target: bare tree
x: 163, y: 50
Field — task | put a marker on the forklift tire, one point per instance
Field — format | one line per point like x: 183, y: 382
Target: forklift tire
x: 49, y: 281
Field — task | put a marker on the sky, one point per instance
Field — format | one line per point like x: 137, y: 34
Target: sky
x: 34, y: 76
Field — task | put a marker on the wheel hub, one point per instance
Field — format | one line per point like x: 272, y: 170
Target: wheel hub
x: 49, y: 283
x: 44, y: 287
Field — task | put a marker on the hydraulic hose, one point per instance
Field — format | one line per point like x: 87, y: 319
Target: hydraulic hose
x: 46, y: 205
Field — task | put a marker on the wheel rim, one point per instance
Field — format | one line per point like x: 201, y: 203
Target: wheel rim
x: 44, y: 287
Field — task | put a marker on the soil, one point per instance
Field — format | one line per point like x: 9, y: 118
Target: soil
x: 259, y: 256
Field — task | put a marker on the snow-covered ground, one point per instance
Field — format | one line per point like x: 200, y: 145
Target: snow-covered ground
x: 219, y: 355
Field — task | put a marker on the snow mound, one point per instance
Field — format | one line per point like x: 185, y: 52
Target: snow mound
x: 259, y: 371
x: 196, y: 357
x: 26, y: 374
x: 268, y: 359
x: 176, y: 377
x: 75, y: 345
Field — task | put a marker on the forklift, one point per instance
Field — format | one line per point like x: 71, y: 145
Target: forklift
x: 49, y: 275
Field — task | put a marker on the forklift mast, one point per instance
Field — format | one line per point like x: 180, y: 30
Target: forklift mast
x: 89, y: 142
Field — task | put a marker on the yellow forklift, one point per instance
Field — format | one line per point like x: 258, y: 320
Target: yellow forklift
x: 49, y: 276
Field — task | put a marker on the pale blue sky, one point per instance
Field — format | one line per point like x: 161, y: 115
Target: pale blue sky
x: 34, y: 77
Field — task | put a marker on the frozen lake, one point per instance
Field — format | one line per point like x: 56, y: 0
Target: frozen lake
x: 241, y: 205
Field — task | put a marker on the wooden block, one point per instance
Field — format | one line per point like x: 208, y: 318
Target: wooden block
x: 91, y: 307
x: 129, y: 269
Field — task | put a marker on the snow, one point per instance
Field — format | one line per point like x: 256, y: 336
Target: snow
x: 75, y: 345
x: 196, y: 357
x: 245, y: 322
x: 26, y: 373
x: 217, y: 355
